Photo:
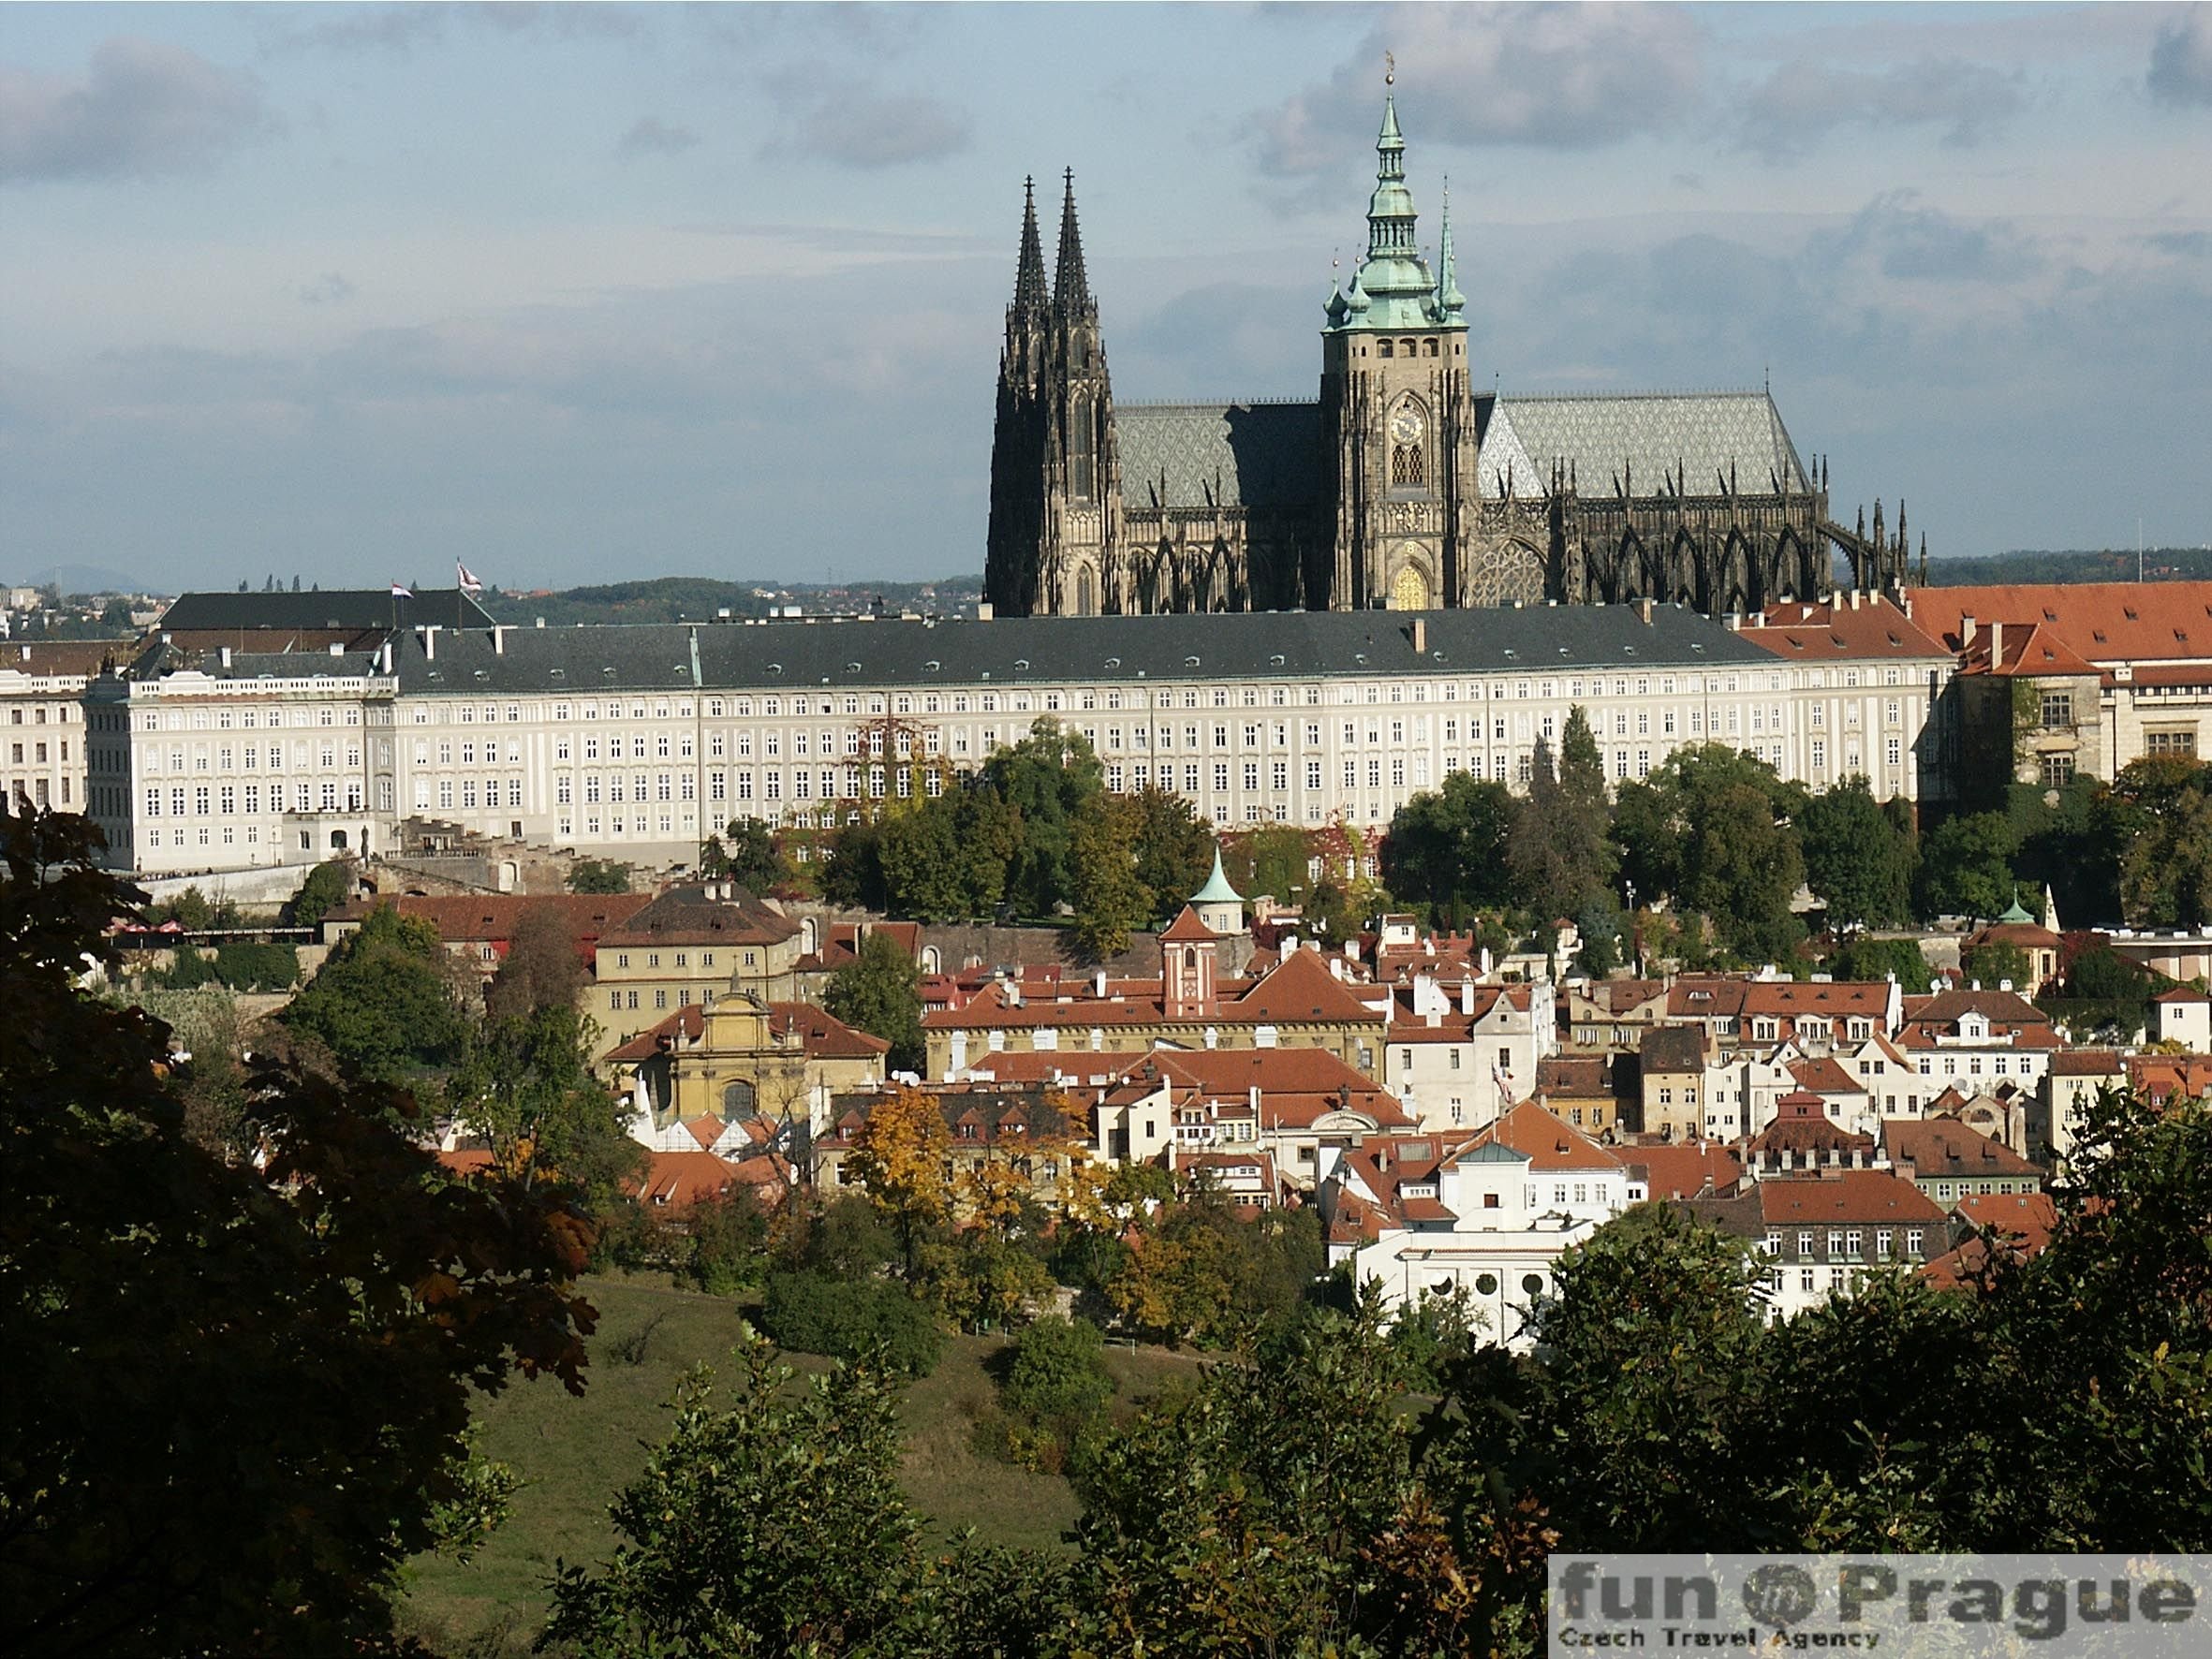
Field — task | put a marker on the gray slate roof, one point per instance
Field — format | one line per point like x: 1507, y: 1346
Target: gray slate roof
x: 797, y: 655
x: 1705, y: 433
x: 333, y: 608
x: 1251, y: 455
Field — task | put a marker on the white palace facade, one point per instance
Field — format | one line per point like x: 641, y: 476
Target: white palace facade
x: 634, y: 741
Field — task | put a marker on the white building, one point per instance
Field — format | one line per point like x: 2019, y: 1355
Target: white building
x: 1488, y: 1217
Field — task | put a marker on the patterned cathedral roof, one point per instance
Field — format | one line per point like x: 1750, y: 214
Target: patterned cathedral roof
x: 1706, y: 434
x: 1200, y: 456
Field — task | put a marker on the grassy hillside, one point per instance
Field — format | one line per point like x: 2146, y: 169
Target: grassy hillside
x: 576, y: 1454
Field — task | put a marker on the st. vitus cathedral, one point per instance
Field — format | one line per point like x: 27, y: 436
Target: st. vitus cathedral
x: 1402, y: 486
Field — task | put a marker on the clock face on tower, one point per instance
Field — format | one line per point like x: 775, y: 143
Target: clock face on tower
x: 1405, y: 424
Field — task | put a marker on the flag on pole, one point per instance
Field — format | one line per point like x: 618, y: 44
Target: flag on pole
x: 401, y: 591
x: 469, y: 583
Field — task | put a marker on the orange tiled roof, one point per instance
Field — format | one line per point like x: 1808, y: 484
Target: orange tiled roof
x: 2103, y: 622
x: 1826, y: 630
x: 1545, y: 1140
x: 1945, y: 1148
x: 1849, y: 1195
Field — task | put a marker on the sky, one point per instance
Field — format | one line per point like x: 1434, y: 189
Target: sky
x: 578, y: 294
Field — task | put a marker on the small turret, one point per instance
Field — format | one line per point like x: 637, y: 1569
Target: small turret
x: 1220, y: 906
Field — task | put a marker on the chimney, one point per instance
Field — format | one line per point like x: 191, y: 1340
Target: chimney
x: 1854, y: 598
x: 1965, y: 632
x: 226, y: 655
x: 1997, y: 644
x: 1644, y: 610
x: 1735, y: 621
x: 337, y: 648
x: 430, y: 643
x: 498, y: 639
x: 1420, y: 635
x: 1098, y: 984
x: 982, y: 611
x: 1467, y: 997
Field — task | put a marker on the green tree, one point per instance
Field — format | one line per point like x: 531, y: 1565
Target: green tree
x: 1856, y: 862
x: 1713, y: 829
x: 1109, y: 894
x: 879, y: 992
x: 1559, y: 856
x: 1447, y: 849
x: 1276, y: 859
x: 1862, y: 957
x: 745, y: 853
x: 1965, y: 870
x: 542, y: 967
x: 245, y: 965
x: 239, y: 1389
x: 852, y: 868
x: 189, y: 910
x: 1601, y: 927
x: 1994, y: 963
x: 1057, y: 1371
x: 525, y: 1084
x: 814, y: 1313
x: 2163, y: 810
x: 1051, y: 777
x: 739, y: 1492
x: 599, y: 875
x: 382, y: 1001
x: 327, y: 885
x: 1173, y: 848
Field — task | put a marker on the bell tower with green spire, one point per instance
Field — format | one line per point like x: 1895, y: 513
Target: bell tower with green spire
x: 1397, y: 411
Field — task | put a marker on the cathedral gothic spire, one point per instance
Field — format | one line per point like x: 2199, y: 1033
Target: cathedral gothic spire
x: 1030, y: 297
x: 1072, y: 288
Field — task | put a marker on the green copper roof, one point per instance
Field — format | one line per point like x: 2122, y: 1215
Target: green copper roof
x: 1218, y: 891
x: 1393, y: 288
x: 2013, y: 911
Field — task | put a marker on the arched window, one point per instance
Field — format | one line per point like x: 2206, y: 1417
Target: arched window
x: 737, y: 1101
x: 1428, y: 348
x: 1406, y: 346
x: 1079, y: 449
x: 1190, y: 960
x: 1407, y: 465
x: 1382, y: 348
x: 1086, y: 597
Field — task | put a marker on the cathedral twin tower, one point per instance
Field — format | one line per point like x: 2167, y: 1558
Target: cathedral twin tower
x: 1401, y: 486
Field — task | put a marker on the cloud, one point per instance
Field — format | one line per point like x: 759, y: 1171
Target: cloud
x: 862, y: 127
x: 2181, y: 59
x: 2184, y: 245
x: 1561, y: 76
x: 1909, y: 242
x: 1804, y: 102
x: 651, y: 136
x: 140, y: 107
x: 331, y: 288
x: 400, y: 29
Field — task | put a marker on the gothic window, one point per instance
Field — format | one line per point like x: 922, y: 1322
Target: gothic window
x: 1407, y: 465
x: 1079, y: 448
x: 1086, y: 597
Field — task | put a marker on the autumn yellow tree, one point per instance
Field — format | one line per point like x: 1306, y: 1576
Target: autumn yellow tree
x: 903, y: 1157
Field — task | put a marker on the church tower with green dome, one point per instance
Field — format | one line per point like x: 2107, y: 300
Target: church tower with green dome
x: 1398, y: 410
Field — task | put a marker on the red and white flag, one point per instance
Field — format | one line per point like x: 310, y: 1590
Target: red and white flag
x: 469, y: 584
x: 401, y: 591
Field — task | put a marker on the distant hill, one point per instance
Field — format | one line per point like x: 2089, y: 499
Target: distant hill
x: 79, y: 579
x: 699, y: 598
x: 2100, y: 565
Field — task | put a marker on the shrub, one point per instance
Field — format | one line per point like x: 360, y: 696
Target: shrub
x: 1058, y: 1372
x: 189, y: 971
x: 814, y: 1313
x: 246, y: 966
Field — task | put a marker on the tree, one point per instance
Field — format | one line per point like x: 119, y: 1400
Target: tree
x: 1599, y: 925
x: 879, y: 992
x: 1558, y: 854
x: 744, y: 853
x: 525, y: 1084
x: 1446, y: 849
x: 1173, y: 848
x: 599, y: 875
x: 1856, y: 862
x: 382, y: 1001
x: 2163, y: 810
x: 1964, y: 869
x: 739, y: 1492
x: 326, y: 886
x: 1057, y: 1371
x: 1863, y: 957
x: 1051, y: 777
x: 1713, y: 829
x: 1109, y: 895
x: 1274, y: 860
x: 1996, y: 963
x: 901, y: 1157
x: 542, y: 967
x: 239, y: 1388
x: 852, y: 867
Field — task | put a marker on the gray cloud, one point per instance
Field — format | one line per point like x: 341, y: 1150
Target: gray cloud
x: 1915, y: 244
x: 651, y: 136
x: 400, y: 29
x: 859, y: 127
x: 1564, y: 76
x: 2186, y: 245
x: 1803, y: 103
x: 2181, y: 59
x: 140, y: 107
x: 331, y: 288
